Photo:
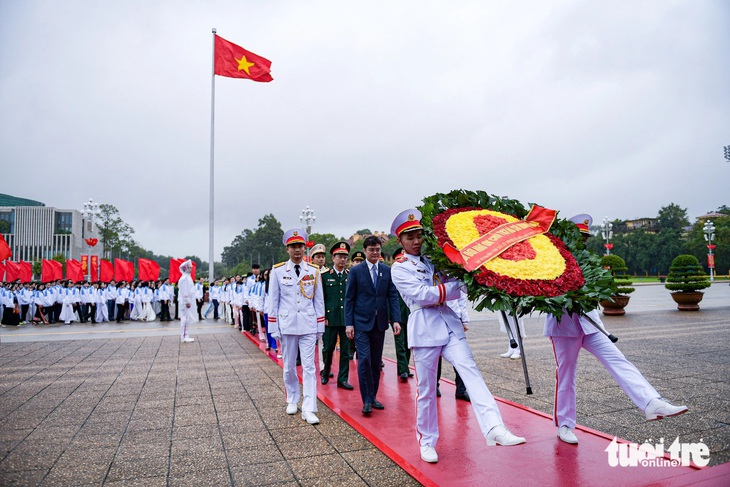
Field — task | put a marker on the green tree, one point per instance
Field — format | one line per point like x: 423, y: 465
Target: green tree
x: 4, y: 226
x: 672, y: 217
x: 37, y: 268
x: 115, y: 233
x: 262, y: 245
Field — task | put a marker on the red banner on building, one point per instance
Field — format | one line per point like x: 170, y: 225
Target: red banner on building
x: 711, y: 261
x: 51, y: 270
x: 73, y: 270
x: 85, y: 264
x: 94, y: 267
x: 107, y: 270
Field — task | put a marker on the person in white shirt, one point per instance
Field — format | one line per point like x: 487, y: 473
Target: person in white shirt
x: 111, y: 298
x: 213, y: 298
x: 122, y: 300
x: 200, y: 289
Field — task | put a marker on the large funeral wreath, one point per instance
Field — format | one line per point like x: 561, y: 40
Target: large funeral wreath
x: 549, y: 273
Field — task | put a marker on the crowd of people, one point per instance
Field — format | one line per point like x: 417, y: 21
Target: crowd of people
x: 295, y: 304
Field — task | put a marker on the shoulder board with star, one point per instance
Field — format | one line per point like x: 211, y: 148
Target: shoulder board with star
x: 401, y: 259
x: 324, y: 269
x: 279, y: 265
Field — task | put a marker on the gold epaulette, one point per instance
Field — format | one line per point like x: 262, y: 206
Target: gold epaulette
x: 313, y: 265
x: 279, y: 265
x: 324, y: 269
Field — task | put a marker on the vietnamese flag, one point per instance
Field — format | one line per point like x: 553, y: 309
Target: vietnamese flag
x: 51, y: 270
x: 5, y: 251
x: 2, y: 272
x: 73, y: 270
x: 123, y: 270
x: 149, y: 270
x: 234, y: 61
x: 107, y: 271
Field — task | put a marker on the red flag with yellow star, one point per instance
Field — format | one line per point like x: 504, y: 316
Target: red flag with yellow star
x: 235, y: 62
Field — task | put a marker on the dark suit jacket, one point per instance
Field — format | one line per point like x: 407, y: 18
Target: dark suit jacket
x: 364, y: 305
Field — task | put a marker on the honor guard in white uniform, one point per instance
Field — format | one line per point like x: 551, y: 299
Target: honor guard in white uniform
x: 435, y: 330
x: 186, y: 297
x: 569, y: 334
x: 296, y: 318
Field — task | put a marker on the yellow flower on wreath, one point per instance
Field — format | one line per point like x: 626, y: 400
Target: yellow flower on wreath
x: 548, y: 264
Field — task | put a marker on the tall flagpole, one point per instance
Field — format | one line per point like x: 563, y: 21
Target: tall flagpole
x: 211, y: 264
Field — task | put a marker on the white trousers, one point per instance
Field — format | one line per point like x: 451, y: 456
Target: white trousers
x: 566, y: 357
x: 187, y: 317
x: 458, y: 354
x: 306, y: 346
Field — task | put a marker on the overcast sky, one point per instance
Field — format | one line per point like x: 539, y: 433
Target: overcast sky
x: 610, y: 108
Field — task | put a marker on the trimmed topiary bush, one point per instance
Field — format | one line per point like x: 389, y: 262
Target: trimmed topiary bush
x: 686, y: 275
x: 618, y: 269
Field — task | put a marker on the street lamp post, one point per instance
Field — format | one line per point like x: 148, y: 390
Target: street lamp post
x: 709, y: 230
x: 90, y: 212
x: 607, y: 233
x: 307, y: 218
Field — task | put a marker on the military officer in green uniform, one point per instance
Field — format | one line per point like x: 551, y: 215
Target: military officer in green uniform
x: 402, y: 352
x: 357, y: 258
x: 334, y: 282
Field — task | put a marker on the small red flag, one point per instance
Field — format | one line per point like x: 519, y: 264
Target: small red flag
x: 51, y: 270
x: 107, y: 271
x: 73, y: 270
x: 12, y: 271
x: 175, y: 274
x: 5, y: 251
x: 123, y: 270
x: 26, y: 271
x: 149, y: 270
x: 235, y: 62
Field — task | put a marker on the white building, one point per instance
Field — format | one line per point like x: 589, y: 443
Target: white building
x: 35, y: 231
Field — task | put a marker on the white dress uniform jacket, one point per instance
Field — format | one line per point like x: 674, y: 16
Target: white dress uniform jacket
x: 296, y: 304
x: 431, y: 318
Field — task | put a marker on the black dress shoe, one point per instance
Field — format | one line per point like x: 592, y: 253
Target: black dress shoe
x: 404, y: 377
x: 367, y: 408
x: 344, y: 385
x: 410, y: 374
x: 463, y: 397
x: 378, y: 405
x: 325, y: 379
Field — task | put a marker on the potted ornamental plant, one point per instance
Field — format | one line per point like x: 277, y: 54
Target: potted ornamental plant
x: 686, y: 277
x: 614, y: 306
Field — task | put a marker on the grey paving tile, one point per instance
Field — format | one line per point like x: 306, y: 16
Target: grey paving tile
x: 263, y: 474
x: 138, y: 468
x: 216, y: 477
x: 319, y: 466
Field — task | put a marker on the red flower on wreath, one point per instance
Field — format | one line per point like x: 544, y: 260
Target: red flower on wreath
x: 543, y: 255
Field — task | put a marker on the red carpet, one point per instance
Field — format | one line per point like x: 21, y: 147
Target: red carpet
x: 464, y: 458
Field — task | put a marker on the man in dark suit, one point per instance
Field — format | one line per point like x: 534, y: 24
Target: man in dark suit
x: 370, y: 299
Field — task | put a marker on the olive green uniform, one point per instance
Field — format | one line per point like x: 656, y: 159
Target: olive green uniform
x: 333, y: 287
